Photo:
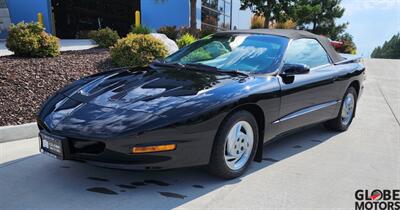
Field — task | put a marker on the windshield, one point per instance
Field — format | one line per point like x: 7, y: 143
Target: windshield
x: 234, y: 52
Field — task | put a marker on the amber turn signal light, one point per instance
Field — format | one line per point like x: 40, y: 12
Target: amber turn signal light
x: 158, y: 148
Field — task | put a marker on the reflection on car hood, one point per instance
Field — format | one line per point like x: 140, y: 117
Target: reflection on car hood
x: 115, y: 102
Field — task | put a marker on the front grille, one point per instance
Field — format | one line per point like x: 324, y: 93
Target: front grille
x: 79, y: 146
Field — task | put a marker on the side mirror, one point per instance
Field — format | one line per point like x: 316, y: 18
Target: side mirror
x: 293, y: 69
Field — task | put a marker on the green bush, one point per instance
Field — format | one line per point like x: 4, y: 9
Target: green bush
x: 105, y: 37
x: 197, y: 33
x: 187, y: 30
x: 140, y: 30
x: 185, y: 40
x: 170, y: 31
x: 137, y: 50
x: 30, y: 39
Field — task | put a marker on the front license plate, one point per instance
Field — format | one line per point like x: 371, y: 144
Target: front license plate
x: 51, y: 145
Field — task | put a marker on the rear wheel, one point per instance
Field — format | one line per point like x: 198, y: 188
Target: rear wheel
x: 346, y: 113
x: 234, y: 146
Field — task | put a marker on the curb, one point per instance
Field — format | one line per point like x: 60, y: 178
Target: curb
x: 65, y: 45
x: 18, y: 132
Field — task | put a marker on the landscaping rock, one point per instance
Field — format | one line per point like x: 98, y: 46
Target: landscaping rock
x: 25, y: 83
x: 169, y: 43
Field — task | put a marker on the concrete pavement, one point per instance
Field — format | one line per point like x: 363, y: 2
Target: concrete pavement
x: 313, y: 169
x: 66, y: 45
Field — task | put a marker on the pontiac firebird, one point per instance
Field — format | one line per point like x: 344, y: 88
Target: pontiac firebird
x: 215, y: 102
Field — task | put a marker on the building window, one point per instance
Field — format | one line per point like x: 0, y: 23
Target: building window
x: 216, y: 14
x: 75, y: 18
x: 3, y: 4
x: 5, y: 20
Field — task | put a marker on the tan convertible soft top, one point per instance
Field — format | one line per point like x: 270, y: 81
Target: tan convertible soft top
x: 293, y: 34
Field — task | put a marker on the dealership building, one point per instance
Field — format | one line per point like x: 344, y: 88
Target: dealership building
x: 69, y: 18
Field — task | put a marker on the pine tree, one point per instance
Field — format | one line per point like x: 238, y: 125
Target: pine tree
x: 319, y: 17
x: 271, y: 10
x: 390, y: 49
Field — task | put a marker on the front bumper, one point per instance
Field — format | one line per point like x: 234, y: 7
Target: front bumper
x: 191, y: 150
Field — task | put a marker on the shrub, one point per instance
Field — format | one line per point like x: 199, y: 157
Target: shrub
x: 137, y: 50
x: 140, y: 30
x: 105, y: 37
x: 289, y: 24
x: 257, y: 22
x: 187, y: 30
x: 30, y: 39
x: 185, y: 40
x: 348, y: 45
x: 170, y: 31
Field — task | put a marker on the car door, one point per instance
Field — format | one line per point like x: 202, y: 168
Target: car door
x: 308, y: 98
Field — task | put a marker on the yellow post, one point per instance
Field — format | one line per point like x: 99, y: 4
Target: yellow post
x: 137, y: 18
x: 40, y: 18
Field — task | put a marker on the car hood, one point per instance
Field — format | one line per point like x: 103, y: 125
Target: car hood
x: 148, y: 90
x: 135, y: 100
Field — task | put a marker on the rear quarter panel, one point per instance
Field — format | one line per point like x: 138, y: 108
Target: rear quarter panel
x: 346, y: 74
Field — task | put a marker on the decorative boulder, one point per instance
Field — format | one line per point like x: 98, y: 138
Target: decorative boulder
x: 169, y: 43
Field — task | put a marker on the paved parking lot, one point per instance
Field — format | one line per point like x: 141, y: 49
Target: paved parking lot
x: 314, y: 169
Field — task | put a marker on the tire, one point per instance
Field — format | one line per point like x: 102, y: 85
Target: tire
x: 233, y: 149
x: 341, y: 123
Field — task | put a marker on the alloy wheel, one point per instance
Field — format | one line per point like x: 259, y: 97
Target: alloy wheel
x: 347, y: 109
x: 239, y: 145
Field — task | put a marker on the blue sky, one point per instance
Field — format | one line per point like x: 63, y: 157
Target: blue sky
x: 371, y: 22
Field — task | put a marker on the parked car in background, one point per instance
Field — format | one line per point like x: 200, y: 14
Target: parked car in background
x: 215, y: 102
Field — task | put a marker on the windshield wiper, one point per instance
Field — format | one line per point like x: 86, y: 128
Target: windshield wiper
x: 213, y: 69
x: 235, y: 72
x: 201, y: 66
x: 163, y: 64
x: 197, y: 67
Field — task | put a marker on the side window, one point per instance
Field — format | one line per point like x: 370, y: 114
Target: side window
x: 306, y: 51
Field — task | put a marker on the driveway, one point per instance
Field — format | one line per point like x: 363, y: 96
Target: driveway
x: 311, y: 169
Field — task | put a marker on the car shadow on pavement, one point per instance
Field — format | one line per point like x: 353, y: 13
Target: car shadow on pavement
x: 69, y: 184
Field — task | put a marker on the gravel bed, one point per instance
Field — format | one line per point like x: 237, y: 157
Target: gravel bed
x: 26, y: 82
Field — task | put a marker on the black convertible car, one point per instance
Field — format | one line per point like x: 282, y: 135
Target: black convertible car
x: 215, y: 103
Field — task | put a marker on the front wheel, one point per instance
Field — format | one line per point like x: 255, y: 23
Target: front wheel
x: 346, y: 113
x: 234, y: 146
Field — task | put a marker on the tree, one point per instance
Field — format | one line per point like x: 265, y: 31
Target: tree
x: 193, y: 23
x: 377, y: 52
x: 348, y: 45
x: 318, y: 16
x: 271, y: 10
x: 390, y: 49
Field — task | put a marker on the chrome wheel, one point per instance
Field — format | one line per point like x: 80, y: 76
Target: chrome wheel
x: 347, y: 109
x: 238, y: 145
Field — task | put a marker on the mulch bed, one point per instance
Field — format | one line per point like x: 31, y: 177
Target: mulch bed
x: 25, y: 83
